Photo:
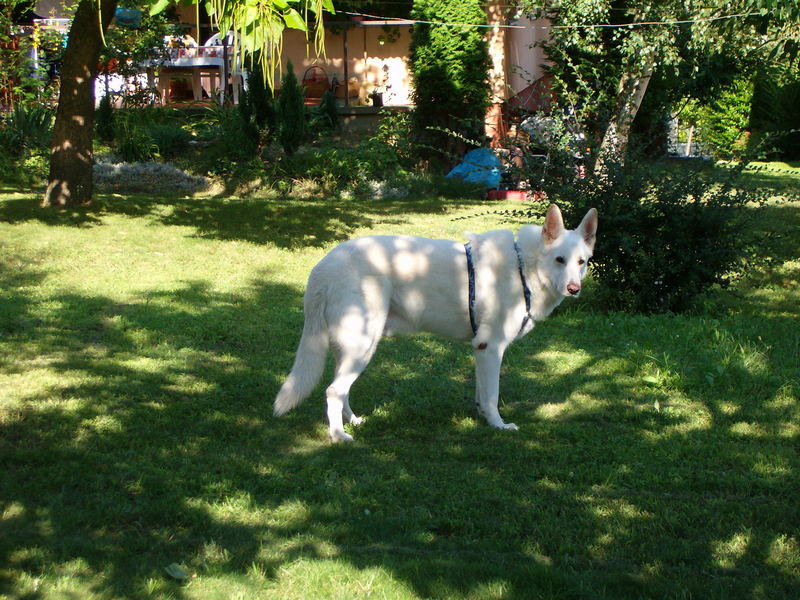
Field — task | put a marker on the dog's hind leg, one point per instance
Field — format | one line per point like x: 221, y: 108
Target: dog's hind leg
x: 351, y: 362
x: 355, y: 339
x: 337, y: 396
x: 487, y: 384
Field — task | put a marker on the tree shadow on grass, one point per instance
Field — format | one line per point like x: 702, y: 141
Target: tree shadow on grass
x: 154, y: 444
x: 16, y: 274
x: 780, y: 180
x: 772, y: 281
x: 287, y: 223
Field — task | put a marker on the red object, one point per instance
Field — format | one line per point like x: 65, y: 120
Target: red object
x: 109, y: 67
x: 538, y: 96
x: 507, y: 195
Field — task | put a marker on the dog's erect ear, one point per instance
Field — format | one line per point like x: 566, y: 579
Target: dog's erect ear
x: 588, y: 227
x: 553, y: 225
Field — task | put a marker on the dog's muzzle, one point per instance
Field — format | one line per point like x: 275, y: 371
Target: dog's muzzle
x: 574, y: 289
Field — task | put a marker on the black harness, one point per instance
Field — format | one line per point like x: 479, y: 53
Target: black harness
x: 526, y: 291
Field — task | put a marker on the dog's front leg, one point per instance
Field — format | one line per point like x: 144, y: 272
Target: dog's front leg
x: 487, y: 384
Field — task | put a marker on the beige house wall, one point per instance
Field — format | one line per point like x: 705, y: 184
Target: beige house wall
x: 375, y: 66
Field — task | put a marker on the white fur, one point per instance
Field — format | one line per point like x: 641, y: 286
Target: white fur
x: 377, y: 286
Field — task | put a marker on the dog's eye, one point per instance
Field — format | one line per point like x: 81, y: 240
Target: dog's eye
x: 581, y: 262
x: 560, y: 260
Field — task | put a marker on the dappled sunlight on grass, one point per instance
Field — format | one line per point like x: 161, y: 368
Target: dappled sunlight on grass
x: 656, y: 456
x: 726, y: 553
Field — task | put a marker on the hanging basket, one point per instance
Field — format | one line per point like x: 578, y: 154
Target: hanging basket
x: 315, y: 82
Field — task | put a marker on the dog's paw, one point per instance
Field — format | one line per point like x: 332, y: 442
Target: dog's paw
x: 341, y: 436
x: 356, y: 421
x: 502, y: 425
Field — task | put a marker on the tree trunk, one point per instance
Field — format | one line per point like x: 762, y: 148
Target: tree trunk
x: 496, y: 43
x: 70, y: 181
x: 632, y: 87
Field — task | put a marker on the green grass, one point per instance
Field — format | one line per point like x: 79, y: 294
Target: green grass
x: 143, y: 340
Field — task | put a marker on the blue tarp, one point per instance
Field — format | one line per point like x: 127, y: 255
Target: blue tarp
x: 130, y: 18
x: 479, y: 166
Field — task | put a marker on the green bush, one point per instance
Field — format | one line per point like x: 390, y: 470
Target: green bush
x: 723, y: 125
x: 104, y: 119
x: 224, y: 131
x: 27, y: 129
x: 370, y: 170
x: 449, y: 66
x: 336, y: 167
x: 665, y: 237
x: 396, y: 133
x: 23, y: 170
x: 148, y: 133
x: 170, y: 138
x: 134, y: 144
x: 25, y: 134
x: 291, y: 111
x: 327, y: 113
x: 776, y: 112
x: 9, y: 167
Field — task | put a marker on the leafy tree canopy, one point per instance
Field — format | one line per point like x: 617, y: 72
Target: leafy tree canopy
x: 604, y: 53
x: 395, y: 9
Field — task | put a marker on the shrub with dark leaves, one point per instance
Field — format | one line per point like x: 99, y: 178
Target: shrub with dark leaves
x: 666, y: 236
x: 170, y: 138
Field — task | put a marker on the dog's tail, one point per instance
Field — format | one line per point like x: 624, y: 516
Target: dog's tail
x: 309, y: 362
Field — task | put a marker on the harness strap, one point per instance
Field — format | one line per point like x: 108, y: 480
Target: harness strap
x: 471, y: 277
x: 526, y: 291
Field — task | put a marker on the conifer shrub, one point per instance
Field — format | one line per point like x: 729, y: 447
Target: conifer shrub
x: 104, y: 119
x: 449, y: 66
x: 291, y: 112
x: 257, y: 108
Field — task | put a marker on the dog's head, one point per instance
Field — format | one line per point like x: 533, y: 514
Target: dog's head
x: 566, y: 252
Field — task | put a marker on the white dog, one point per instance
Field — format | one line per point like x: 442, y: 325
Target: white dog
x: 490, y: 291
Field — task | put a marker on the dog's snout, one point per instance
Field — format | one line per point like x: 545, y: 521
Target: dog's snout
x: 573, y: 288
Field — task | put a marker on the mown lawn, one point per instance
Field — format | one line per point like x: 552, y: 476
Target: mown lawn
x: 143, y: 340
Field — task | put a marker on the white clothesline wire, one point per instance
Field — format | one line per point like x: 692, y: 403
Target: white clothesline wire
x: 587, y: 26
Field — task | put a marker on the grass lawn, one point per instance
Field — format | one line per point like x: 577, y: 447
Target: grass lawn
x: 143, y: 340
